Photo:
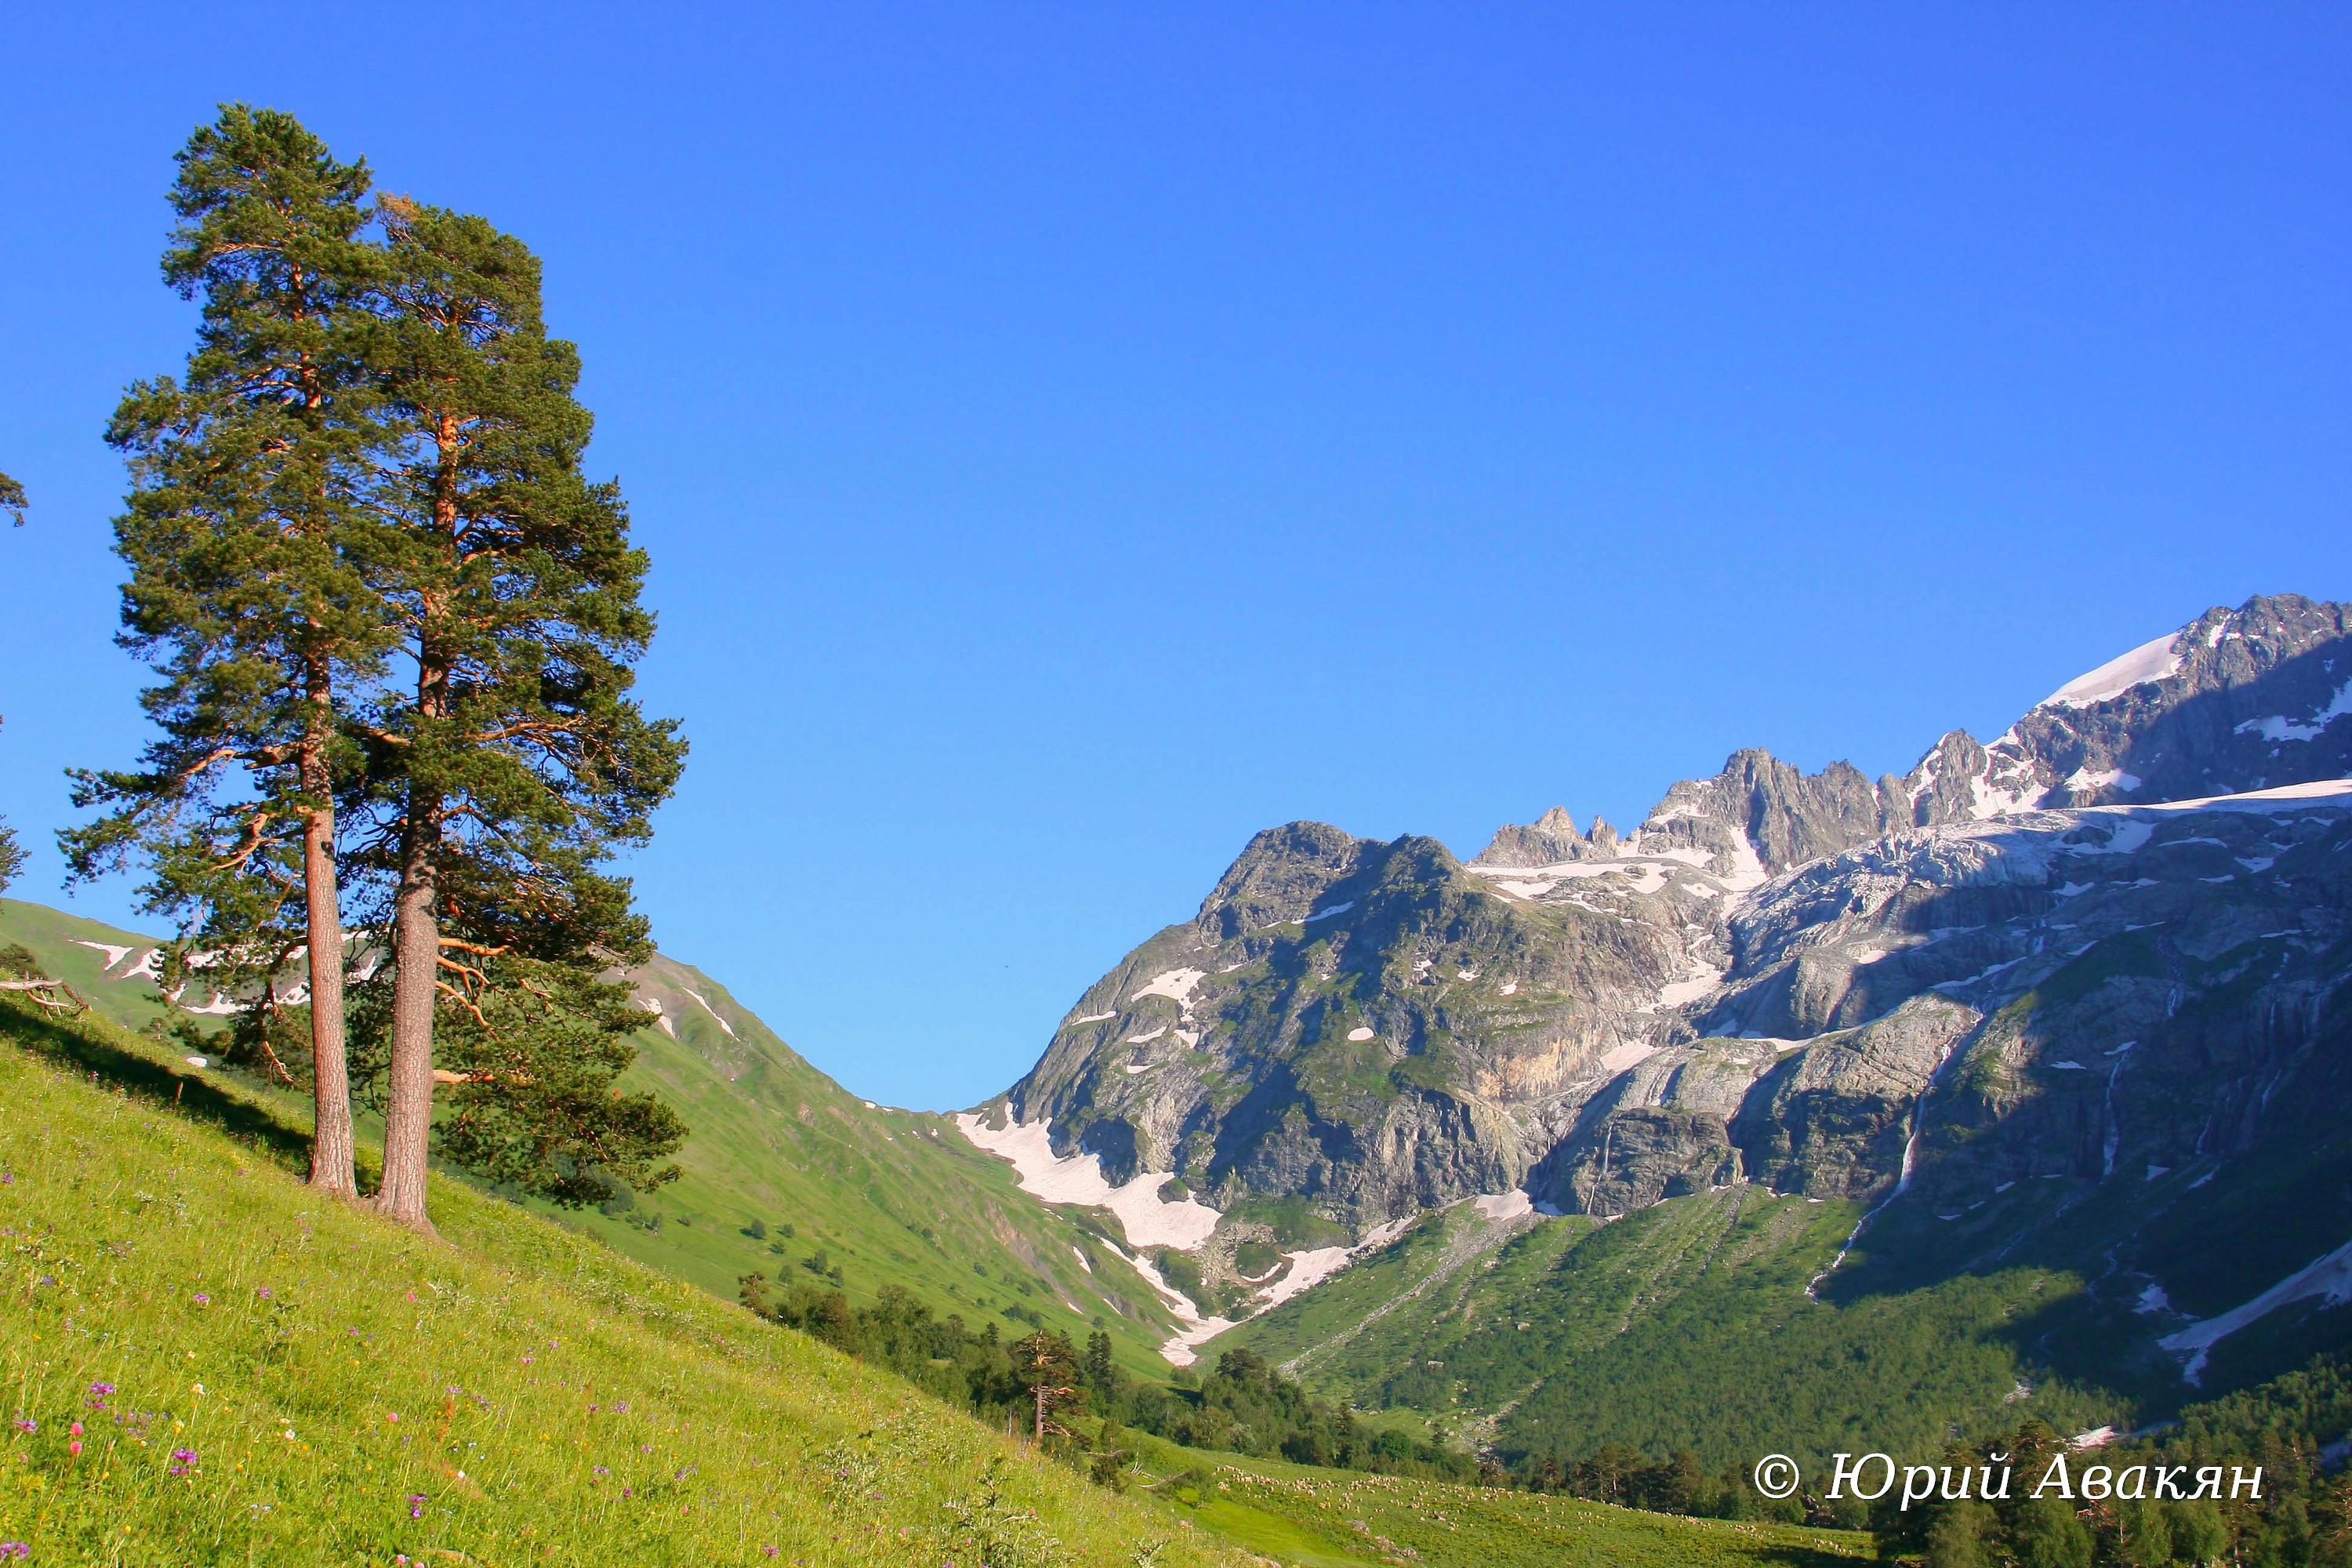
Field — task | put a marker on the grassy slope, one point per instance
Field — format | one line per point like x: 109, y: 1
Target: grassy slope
x: 1311, y: 1517
x: 891, y: 1196
x: 55, y: 938
x: 544, y: 1399
x: 517, y: 1392
x: 1551, y: 1339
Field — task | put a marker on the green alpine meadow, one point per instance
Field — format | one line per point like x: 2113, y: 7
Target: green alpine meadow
x: 207, y: 1363
x: 1070, y: 563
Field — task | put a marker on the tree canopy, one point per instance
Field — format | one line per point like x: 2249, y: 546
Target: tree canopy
x: 393, y: 623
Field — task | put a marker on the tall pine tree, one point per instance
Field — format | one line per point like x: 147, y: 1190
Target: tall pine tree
x: 11, y: 499
x: 504, y: 777
x: 245, y: 531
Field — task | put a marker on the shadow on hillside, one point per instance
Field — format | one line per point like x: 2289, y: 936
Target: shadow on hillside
x: 64, y: 1043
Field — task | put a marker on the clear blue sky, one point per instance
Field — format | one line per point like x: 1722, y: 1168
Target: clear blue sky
x: 1072, y: 438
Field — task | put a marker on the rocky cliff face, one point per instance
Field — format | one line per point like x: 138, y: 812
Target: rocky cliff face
x: 1368, y: 1026
x: 2104, y: 952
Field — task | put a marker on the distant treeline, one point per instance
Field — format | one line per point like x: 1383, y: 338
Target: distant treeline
x: 2293, y: 1429
x: 1242, y: 1405
x: 1677, y: 1483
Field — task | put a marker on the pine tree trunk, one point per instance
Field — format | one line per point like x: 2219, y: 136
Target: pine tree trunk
x: 330, y: 1070
x: 330, y: 1141
x: 415, y: 927
x: 416, y: 964
x: 416, y: 951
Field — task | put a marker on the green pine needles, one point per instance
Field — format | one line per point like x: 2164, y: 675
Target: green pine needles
x: 393, y: 623
x: 12, y: 856
x: 246, y: 527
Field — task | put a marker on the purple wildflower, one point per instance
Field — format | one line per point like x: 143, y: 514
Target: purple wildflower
x: 416, y: 1505
x: 627, y: 1492
x: 183, y: 1461
x: 16, y: 1549
x: 768, y: 1550
x: 27, y: 1424
x: 7, y: 1178
x: 97, y: 1393
x: 602, y: 1470
x: 622, y: 1407
x: 200, y: 1299
x: 262, y: 1292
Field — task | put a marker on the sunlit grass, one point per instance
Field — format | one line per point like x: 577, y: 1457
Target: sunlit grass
x: 261, y: 1376
x: 1308, y: 1516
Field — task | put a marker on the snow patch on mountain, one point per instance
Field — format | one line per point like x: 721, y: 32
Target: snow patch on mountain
x: 1307, y: 1269
x: 2110, y: 778
x: 2279, y: 727
x: 2328, y: 1278
x: 701, y: 1002
x: 1078, y: 1179
x: 2152, y: 660
x: 1176, y: 985
x: 114, y: 955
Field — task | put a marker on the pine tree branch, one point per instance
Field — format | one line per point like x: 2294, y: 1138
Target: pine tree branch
x: 468, y: 1003
x: 245, y: 852
x: 39, y: 991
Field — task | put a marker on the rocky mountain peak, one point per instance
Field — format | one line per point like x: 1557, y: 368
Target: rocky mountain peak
x: 2235, y: 701
x: 1989, y: 989
x: 1282, y: 874
x: 1550, y: 840
x: 1790, y: 816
